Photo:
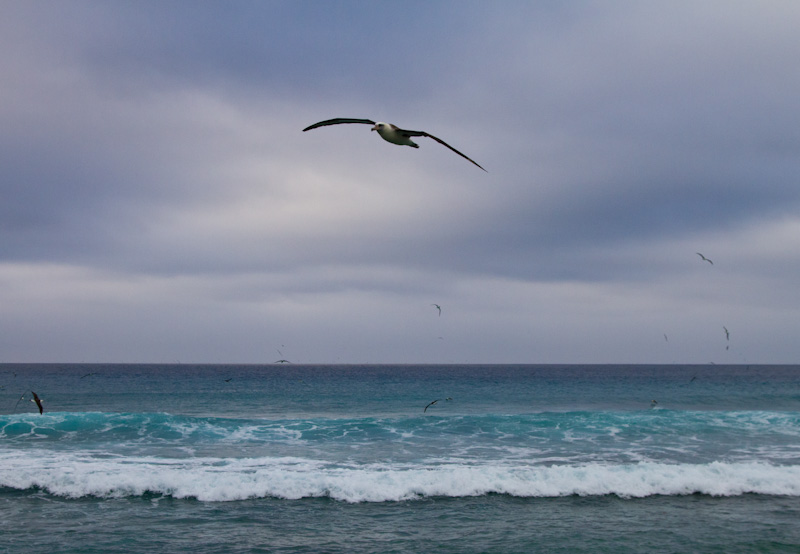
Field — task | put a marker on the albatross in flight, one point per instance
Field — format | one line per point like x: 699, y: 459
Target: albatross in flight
x: 390, y: 133
x: 429, y: 405
x: 449, y: 398
x: 704, y: 258
x: 38, y: 402
x: 35, y: 399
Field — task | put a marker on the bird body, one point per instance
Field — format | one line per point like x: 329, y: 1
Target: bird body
x: 393, y: 133
x: 38, y: 402
x: 390, y: 133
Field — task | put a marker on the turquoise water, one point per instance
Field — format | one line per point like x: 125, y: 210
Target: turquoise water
x: 290, y: 458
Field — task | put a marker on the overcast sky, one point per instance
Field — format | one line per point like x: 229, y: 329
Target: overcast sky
x: 159, y: 201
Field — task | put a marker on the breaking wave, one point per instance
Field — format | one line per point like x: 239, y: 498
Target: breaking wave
x: 221, y: 479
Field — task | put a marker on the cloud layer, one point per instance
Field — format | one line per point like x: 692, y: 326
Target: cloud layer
x: 158, y: 200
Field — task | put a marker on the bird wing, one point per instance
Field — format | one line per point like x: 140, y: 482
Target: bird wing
x: 339, y: 121
x: 409, y: 133
x: 38, y: 402
x: 429, y: 405
x: 18, y: 401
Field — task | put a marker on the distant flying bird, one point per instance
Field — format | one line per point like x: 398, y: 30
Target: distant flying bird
x: 38, y: 402
x: 693, y: 379
x: 704, y: 258
x: 429, y: 405
x: 88, y: 375
x: 654, y: 403
x: 35, y: 399
x: 434, y: 402
x: 438, y: 307
x: 727, y: 333
x: 228, y: 380
x: 390, y: 133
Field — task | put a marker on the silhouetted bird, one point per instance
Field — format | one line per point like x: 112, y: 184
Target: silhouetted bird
x: 38, y: 402
x: 390, y: 133
x: 704, y: 258
x: 429, y: 405
x: 434, y: 402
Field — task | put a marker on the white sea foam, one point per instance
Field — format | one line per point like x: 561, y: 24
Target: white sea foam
x: 219, y: 479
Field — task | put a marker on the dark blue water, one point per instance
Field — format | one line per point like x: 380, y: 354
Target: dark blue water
x: 288, y: 458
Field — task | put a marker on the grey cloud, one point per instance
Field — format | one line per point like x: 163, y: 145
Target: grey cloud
x: 161, y: 144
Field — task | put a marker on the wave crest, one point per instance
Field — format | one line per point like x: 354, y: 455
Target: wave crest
x: 219, y: 479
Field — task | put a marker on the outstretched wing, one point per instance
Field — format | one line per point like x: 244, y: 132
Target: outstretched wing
x: 429, y: 405
x: 409, y: 133
x: 20, y: 398
x: 339, y: 121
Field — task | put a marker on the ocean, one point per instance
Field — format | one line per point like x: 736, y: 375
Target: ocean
x: 289, y: 458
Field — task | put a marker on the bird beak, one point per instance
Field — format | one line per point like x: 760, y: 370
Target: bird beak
x: 374, y: 128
